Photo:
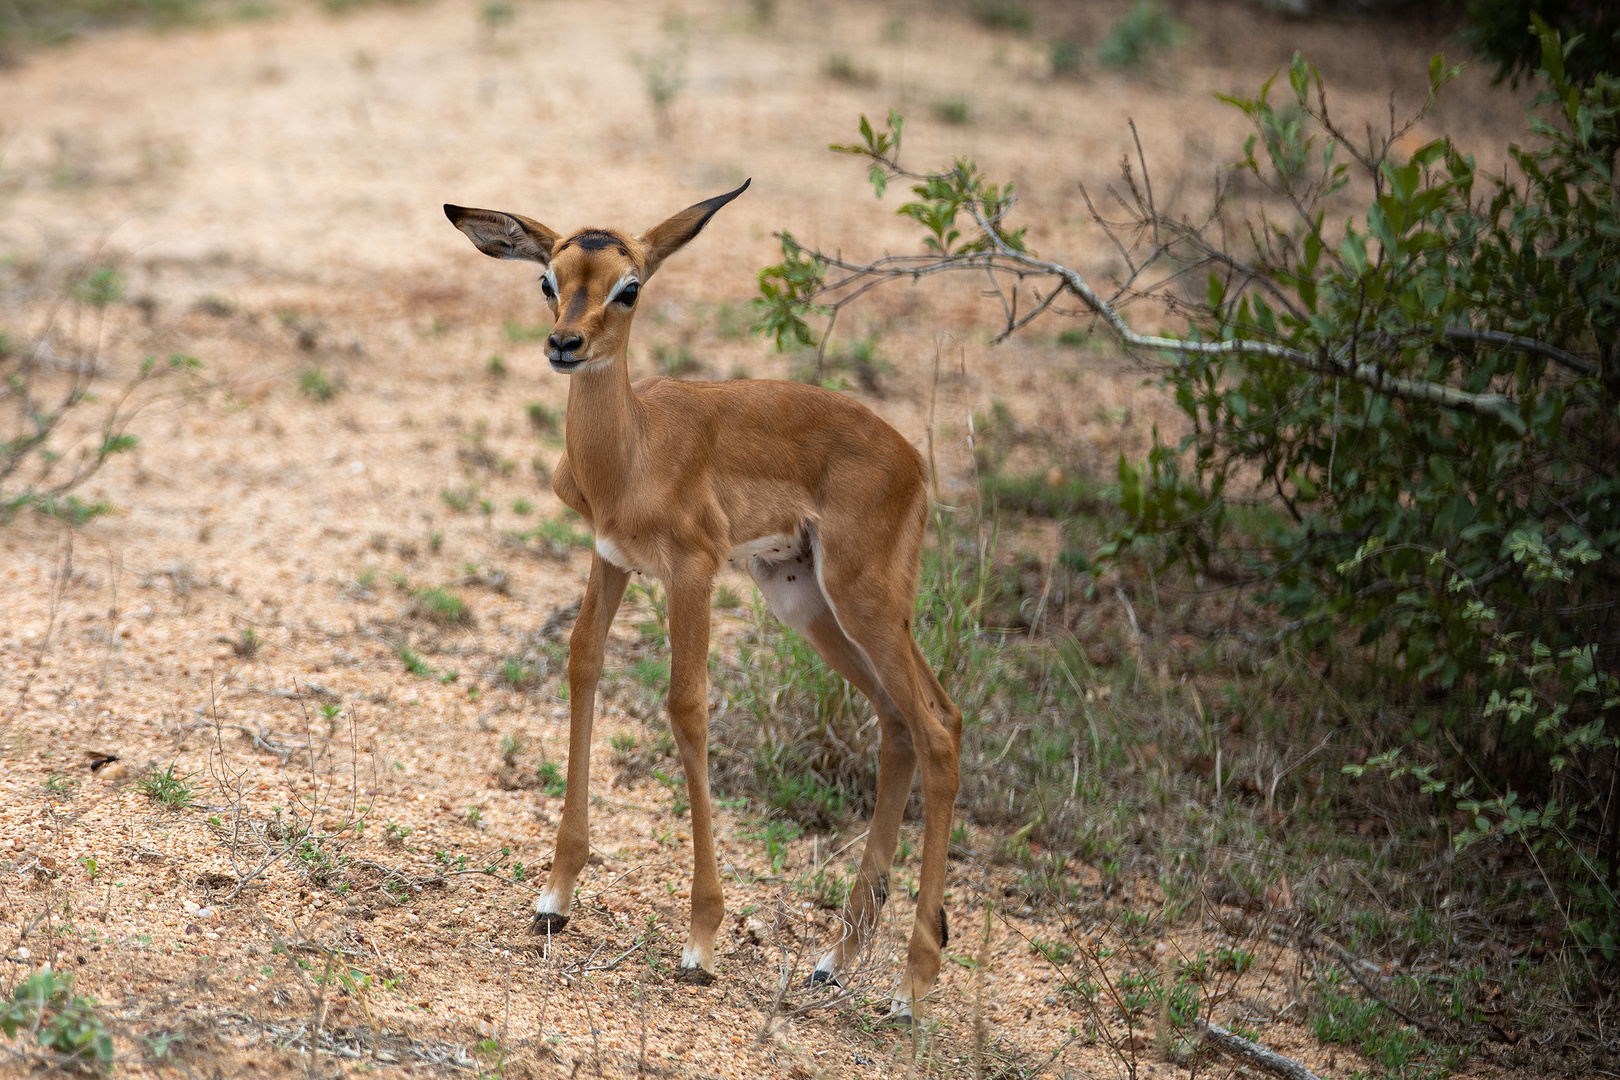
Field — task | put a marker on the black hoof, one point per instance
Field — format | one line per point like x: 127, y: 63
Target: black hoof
x: 695, y: 976
x: 823, y: 978
x: 899, y: 1019
x: 546, y: 922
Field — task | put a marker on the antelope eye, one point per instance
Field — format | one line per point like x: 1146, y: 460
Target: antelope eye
x: 627, y: 295
x: 545, y: 287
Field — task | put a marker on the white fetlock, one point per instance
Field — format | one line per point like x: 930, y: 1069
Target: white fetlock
x: 693, y: 966
x: 900, y: 1010
x: 826, y: 972
x: 549, y: 903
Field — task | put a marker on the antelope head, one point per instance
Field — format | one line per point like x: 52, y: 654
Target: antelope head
x: 592, y: 278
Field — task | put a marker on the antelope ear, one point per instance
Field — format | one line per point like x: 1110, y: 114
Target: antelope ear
x: 669, y: 236
x: 504, y: 236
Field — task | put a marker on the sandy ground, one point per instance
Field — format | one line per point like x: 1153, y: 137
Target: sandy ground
x: 270, y: 191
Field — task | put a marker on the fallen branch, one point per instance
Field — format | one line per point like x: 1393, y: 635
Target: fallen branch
x: 1253, y: 1053
x: 1348, y: 962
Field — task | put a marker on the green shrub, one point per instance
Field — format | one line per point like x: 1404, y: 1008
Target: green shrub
x: 317, y: 384
x: 1143, y: 29
x: 952, y: 110
x: 1496, y: 30
x: 1000, y: 15
x: 1065, y: 56
x: 1424, y: 403
x: 67, y: 1026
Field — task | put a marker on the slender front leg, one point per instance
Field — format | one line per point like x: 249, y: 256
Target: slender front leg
x: 585, y: 645
x: 689, y: 595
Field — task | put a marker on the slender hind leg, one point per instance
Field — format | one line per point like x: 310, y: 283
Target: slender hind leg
x: 585, y: 645
x: 879, y: 628
x: 884, y: 663
x: 897, y: 763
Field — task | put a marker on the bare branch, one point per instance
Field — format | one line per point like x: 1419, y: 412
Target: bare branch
x: 1521, y: 344
x: 1496, y: 405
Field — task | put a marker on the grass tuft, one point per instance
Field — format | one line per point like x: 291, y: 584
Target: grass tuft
x: 170, y: 788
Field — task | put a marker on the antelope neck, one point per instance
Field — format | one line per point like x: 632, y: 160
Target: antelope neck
x: 603, y: 430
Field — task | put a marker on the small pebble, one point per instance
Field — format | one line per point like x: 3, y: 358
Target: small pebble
x: 205, y: 913
x: 191, y: 906
x: 22, y: 952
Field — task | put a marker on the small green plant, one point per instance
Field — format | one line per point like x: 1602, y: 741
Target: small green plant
x: 1000, y: 15
x: 1144, y: 29
x: 952, y: 110
x: 654, y: 628
x: 101, y: 287
x: 413, y: 662
x: 519, y: 675
x: 522, y: 507
x: 517, y: 333
x: 441, y: 606
x: 170, y: 788
x: 777, y: 834
x: 475, y: 816
x: 676, y: 786
x: 841, y: 67
x: 495, y: 14
x: 650, y: 671
x: 66, y: 1025
x: 552, y: 781
x: 825, y: 889
x: 36, y: 408
x: 317, y: 384
x: 247, y: 643
x: 556, y: 538
x: 459, y: 500
x: 808, y: 799
x: 1057, y: 952
x: 675, y: 361
x: 496, y: 367
x: 663, y: 76
x: 544, y: 420
x: 1065, y: 56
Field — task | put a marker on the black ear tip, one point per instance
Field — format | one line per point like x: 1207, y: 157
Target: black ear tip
x: 454, y: 212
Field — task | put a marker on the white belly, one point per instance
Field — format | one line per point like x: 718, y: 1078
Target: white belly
x: 616, y: 555
x: 770, y: 549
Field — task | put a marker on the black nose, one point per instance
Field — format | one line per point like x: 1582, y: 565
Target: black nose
x: 566, y: 343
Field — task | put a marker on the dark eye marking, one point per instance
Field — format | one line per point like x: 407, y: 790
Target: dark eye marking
x: 627, y: 295
x: 594, y: 240
x: 545, y: 287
